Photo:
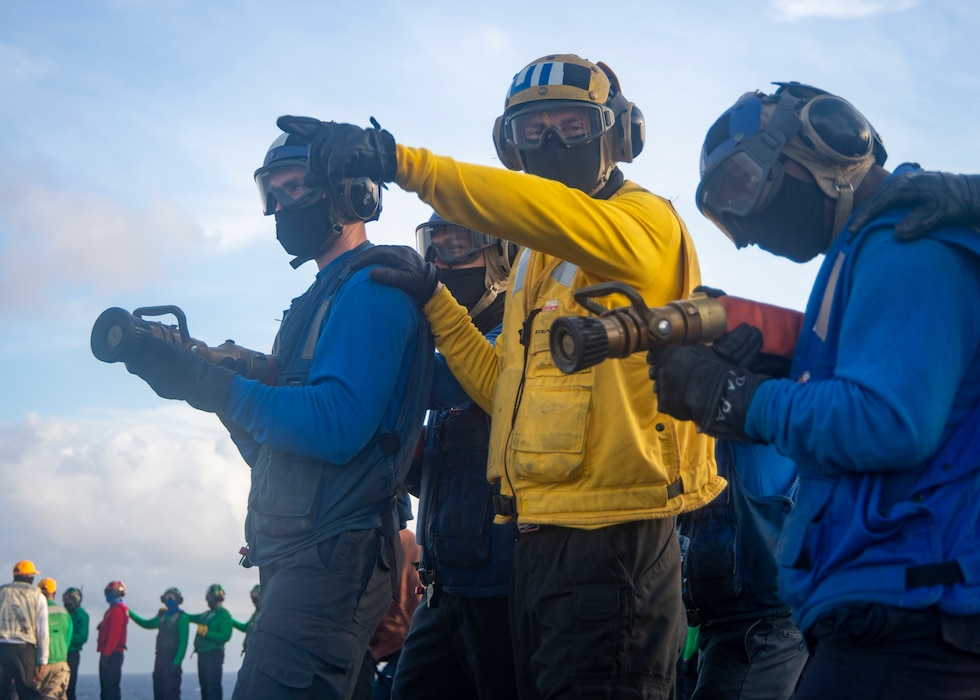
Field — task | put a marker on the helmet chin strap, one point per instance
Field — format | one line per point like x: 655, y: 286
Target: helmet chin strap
x: 493, y: 290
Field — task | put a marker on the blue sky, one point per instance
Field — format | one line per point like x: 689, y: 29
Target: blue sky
x: 129, y: 132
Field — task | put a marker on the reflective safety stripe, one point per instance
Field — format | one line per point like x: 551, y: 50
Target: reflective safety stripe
x: 520, y: 271
x: 564, y: 273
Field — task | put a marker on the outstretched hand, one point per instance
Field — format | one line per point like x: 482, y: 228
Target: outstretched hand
x: 342, y: 151
x: 936, y: 199
x: 403, y: 268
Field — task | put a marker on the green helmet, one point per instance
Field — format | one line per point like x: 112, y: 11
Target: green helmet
x: 72, y: 598
x: 215, y: 591
x: 174, y: 594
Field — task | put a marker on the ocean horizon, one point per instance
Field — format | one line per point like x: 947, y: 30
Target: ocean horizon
x: 139, y: 686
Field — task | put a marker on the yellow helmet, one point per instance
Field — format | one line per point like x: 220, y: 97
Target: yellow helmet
x: 569, y: 81
x: 559, y: 77
x: 25, y: 568
x: 48, y: 585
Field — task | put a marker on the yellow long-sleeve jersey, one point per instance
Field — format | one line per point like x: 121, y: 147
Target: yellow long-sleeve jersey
x: 587, y: 449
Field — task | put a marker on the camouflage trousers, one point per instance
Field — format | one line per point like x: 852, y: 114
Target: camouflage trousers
x: 53, y: 683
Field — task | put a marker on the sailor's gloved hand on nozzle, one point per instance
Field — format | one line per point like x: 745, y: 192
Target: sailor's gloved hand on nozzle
x: 174, y: 372
x: 936, y: 199
x: 739, y: 346
x: 692, y: 382
x: 403, y: 268
x: 341, y: 151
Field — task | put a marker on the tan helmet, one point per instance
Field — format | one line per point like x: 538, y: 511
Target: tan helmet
x: 566, y: 78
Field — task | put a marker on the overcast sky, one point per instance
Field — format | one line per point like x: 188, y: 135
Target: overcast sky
x: 129, y: 132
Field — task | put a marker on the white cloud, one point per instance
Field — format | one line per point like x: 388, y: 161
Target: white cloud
x: 793, y: 10
x: 155, y: 499
x: 128, y: 477
x: 57, y: 240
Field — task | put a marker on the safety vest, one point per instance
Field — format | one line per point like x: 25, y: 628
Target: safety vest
x: 730, y: 570
x: 587, y: 449
x: 296, y: 501
x: 463, y: 552
x: 841, y: 544
x: 18, y: 612
x: 168, y: 634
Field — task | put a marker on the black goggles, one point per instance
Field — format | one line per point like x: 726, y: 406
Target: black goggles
x: 573, y: 122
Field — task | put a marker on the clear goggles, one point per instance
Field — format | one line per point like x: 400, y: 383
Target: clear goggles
x: 451, y: 243
x: 742, y: 174
x: 572, y: 122
x: 281, y: 185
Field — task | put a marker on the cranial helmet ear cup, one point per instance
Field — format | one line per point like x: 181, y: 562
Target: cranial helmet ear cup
x: 632, y: 130
x: 638, y: 130
x: 509, y: 156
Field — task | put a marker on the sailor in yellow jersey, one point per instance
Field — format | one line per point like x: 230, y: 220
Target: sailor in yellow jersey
x: 589, y: 467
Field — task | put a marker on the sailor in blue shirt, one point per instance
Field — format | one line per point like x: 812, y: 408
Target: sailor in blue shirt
x: 880, y: 559
x: 329, y: 442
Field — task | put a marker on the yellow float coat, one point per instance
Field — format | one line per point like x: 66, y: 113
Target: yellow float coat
x: 587, y: 449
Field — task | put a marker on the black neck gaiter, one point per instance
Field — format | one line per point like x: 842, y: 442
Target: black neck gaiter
x: 306, y: 232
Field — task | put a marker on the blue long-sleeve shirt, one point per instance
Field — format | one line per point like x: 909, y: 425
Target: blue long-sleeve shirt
x: 907, y: 368
x: 355, y: 385
x: 879, y: 416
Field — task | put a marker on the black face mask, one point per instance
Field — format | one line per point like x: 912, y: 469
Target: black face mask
x: 468, y: 285
x: 306, y: 232
x: 576, y: 167
x: 794, y: 226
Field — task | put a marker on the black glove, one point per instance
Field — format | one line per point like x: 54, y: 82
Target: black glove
x: 693, y: 383
x: 402, y: 268
x: 740, y: 346
x: 937, y: 200
x: 712, y: 292
x: 342, y: 151
x: 174, y: 372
